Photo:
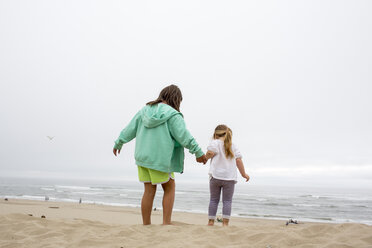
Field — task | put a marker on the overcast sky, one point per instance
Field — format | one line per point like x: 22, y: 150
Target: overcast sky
x: 292, y: 79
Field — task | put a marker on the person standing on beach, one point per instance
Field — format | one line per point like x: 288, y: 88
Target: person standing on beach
x: 225, y: 157
x: 161, y: 136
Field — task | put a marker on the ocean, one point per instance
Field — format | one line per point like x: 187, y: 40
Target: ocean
x: 316, y: 204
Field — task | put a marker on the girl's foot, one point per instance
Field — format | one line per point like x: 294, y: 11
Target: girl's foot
x: 225, y: 222
x: 210, y: 222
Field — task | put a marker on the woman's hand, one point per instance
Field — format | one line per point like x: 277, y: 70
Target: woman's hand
x: 201, y: 159
x: 116, y: 150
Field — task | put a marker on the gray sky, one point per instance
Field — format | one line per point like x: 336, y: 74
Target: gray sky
x: 292, y: 79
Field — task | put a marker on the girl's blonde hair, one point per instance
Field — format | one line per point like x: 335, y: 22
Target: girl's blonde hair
x: 225, y: 131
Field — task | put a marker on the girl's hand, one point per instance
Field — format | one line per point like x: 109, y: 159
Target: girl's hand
x: 209, y: 155
x: 246, y: 177
x: 115, y: 150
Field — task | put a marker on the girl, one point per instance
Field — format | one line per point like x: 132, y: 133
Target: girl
x: 225, y: 158
x: 161, y: 136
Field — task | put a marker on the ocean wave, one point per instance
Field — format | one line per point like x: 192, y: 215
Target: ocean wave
x: 75, y: 187
x: 48, y: 189
x: 261, y: 199
x: 305, y: 205
x: 277, y: 204
x: 330, y: 206
x: 29, y: 197
x: 90, y: 193
x: 338, y: 197
x: 181, y: 192
x: 359, y: 206
x: 194, y: 211
x: 323, y: 218
x: 269, y: 216
x: 313, y: 196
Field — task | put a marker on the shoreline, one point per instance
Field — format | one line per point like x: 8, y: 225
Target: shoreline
x: 119, y: 205
x: 91, y: 225
x: 49, y: 208
x: 278, y: 203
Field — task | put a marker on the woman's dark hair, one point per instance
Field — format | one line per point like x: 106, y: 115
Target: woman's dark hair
x: 170, y: 94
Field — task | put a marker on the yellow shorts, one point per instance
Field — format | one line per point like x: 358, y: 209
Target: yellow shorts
x: 147, y: 175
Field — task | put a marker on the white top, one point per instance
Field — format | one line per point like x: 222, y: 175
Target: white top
x: 221, y: 167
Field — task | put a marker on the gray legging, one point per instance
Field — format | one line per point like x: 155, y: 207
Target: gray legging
x: 215, y: 186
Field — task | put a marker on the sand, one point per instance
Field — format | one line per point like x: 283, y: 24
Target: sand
x: 89, y: 225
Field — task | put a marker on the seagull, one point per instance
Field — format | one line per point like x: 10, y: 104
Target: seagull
x: 50, y: 137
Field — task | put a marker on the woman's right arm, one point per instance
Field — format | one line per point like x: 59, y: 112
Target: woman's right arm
x: 128, y: 133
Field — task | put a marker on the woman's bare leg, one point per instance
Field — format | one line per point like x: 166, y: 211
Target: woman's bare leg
x: 147, y: 201
x: 168, y: 201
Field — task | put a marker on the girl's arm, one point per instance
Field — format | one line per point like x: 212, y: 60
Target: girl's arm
x: 209, y: 155
x: 240, y: 165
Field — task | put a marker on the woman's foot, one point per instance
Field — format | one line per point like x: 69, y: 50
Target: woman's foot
x: 168, y: 224
x: 210, y: 222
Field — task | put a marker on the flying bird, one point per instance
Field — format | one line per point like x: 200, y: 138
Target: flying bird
x: 50, y: 137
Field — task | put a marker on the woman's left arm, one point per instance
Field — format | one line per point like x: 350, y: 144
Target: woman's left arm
x: 177, y: 128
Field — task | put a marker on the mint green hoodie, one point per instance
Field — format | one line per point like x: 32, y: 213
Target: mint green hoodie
x: 161, y: 136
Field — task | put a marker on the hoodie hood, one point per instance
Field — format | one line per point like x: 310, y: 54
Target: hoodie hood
x: 155, y: 115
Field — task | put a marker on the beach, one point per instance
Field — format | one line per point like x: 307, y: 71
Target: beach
x: 91, y: 225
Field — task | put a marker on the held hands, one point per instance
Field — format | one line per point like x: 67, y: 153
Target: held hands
x: 116, y: 150
x: 202, y: 159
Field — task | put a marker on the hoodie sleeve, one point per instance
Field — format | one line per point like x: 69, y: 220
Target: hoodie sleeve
x: 177, y: 128
x: 129, y: 132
